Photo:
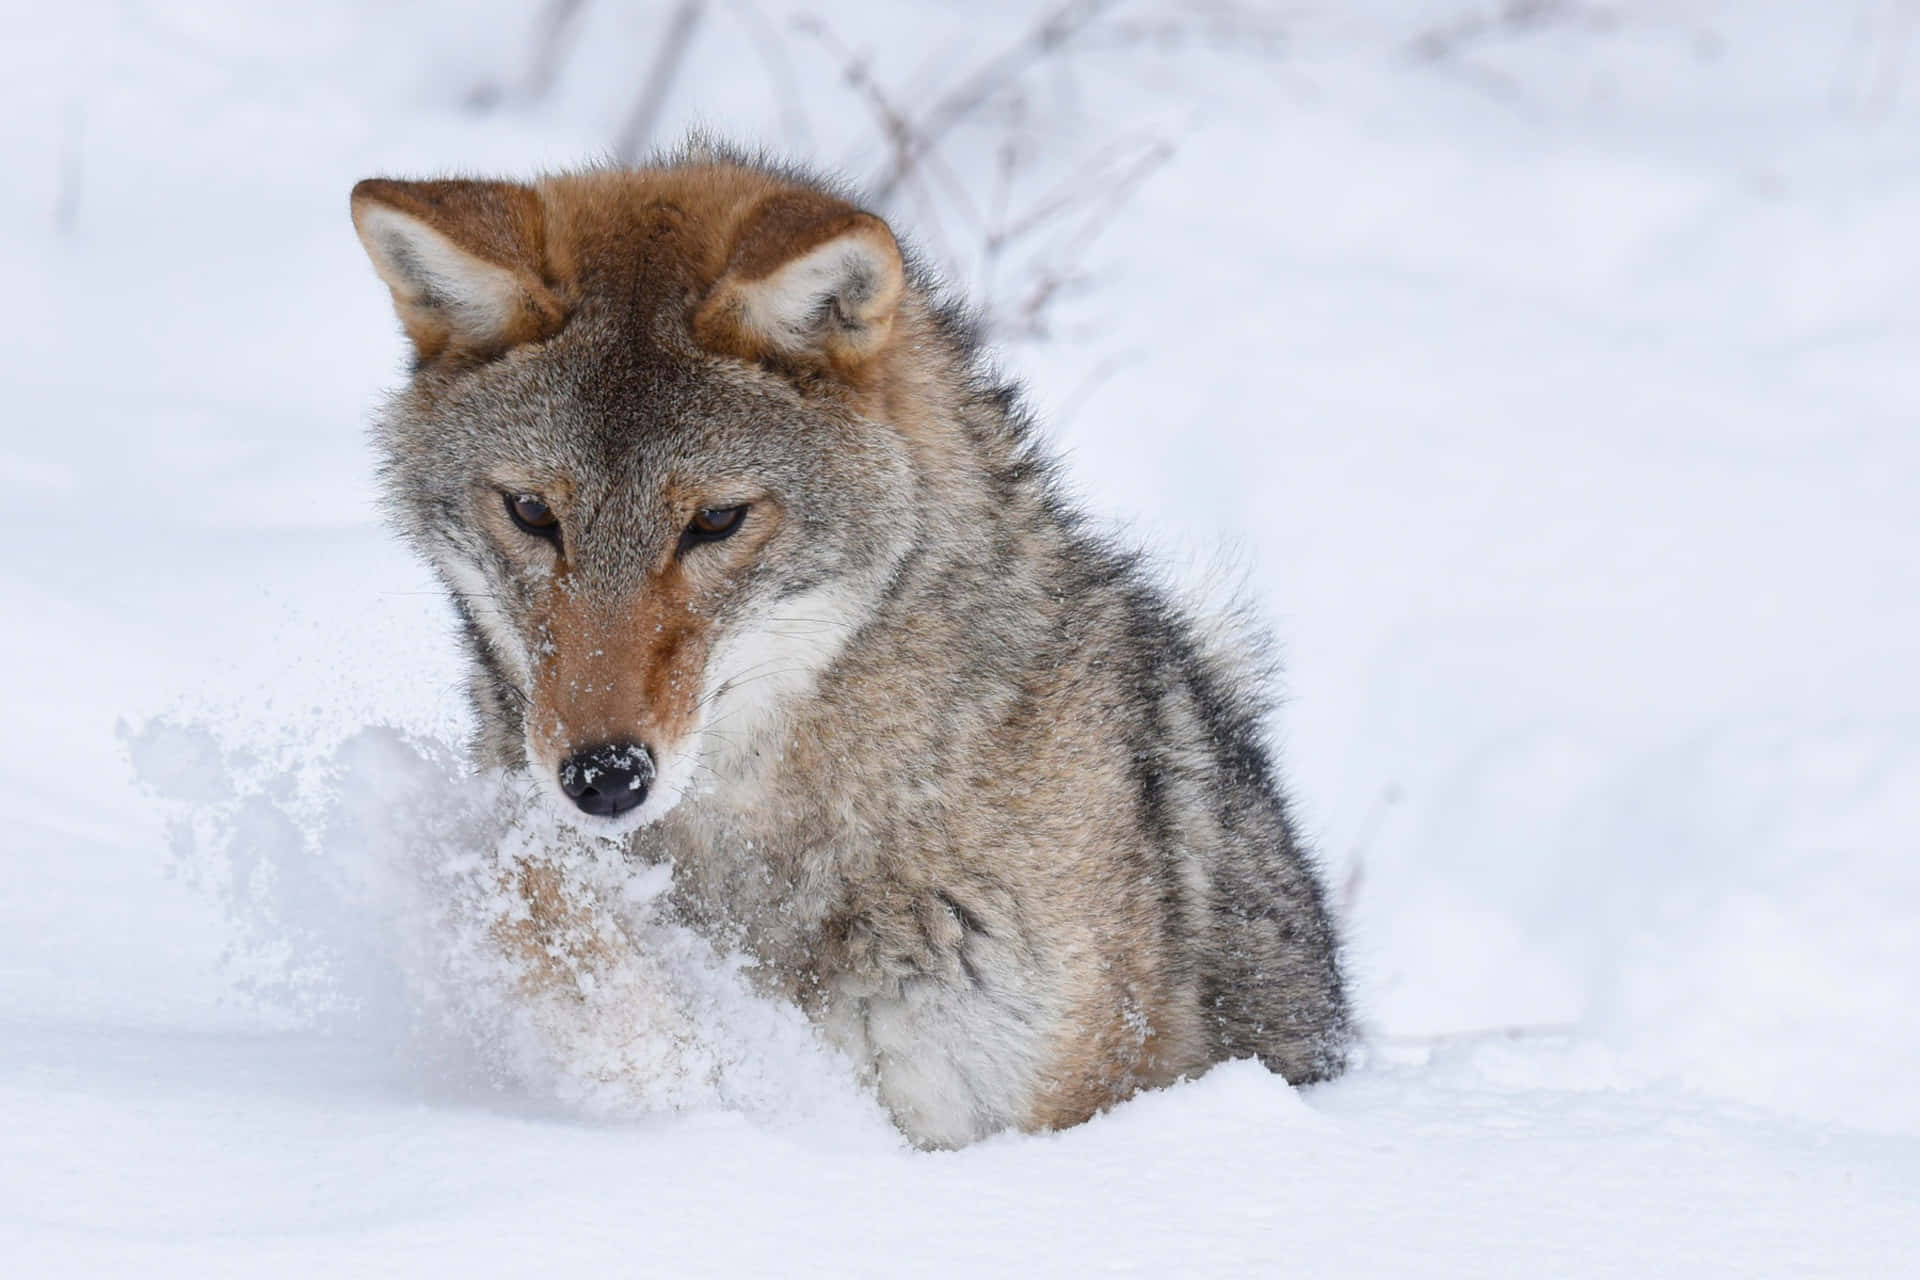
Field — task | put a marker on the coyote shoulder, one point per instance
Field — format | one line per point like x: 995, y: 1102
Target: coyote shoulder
x: 761, y: 569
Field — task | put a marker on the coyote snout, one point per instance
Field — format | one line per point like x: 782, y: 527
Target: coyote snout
x: 618, y: 679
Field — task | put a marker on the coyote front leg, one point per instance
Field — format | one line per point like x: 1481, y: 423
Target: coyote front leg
x: 564, y: 942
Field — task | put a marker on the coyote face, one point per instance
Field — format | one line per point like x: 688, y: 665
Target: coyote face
x: 656, y: 544
x: 655, y: 561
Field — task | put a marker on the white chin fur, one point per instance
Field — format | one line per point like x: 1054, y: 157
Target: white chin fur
x: 759, y: 672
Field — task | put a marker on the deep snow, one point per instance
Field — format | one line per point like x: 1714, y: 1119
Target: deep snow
x: 1555, y: 394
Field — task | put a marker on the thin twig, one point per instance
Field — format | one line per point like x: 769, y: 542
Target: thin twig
x: 645, y: 116
x: 558, y: 26
x: 786, y: 85
x: 1051, y: 34
x: 553, y: 35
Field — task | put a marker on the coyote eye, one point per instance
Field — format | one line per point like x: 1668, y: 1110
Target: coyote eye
x: 533, y: 515
x: 710, y: 524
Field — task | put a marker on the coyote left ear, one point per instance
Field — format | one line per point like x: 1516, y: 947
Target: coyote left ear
x: 809, y: 280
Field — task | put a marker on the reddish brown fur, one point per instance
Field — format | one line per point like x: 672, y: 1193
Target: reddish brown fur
x: 627, y: 674
x: 708, y: 232
x: 497, y: 222
x: 1100, y: 1057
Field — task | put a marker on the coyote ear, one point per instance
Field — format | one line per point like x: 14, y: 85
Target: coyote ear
x: 810, y: 280
x: 464, y: 261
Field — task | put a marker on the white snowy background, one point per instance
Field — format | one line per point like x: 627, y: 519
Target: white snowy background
x: 1547, y: 370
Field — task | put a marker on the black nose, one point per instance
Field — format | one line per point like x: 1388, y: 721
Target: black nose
x: 608, y: 780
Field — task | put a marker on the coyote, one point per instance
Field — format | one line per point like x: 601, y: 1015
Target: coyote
x: 763, y: 571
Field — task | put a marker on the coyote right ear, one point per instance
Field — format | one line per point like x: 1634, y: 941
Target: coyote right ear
x: 464, y: 260
x: 809, y: 279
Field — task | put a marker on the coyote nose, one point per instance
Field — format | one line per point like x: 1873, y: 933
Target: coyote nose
x: 607, y: 780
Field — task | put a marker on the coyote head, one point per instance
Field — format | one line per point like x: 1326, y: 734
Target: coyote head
x: 648, y: 446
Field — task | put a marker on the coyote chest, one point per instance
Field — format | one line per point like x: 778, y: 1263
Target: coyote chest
x: 758, y: 565
x: 951, y: 1008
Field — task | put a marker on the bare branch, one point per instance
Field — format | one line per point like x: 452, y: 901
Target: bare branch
x: 667, y: 60
x: 786, y: 85
x: 553, y: 35
x: 1053, y: 33
x: 558, y: 26
x: 1222, y: 24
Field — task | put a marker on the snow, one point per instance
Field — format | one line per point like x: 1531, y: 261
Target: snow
x: 1553, y: 394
